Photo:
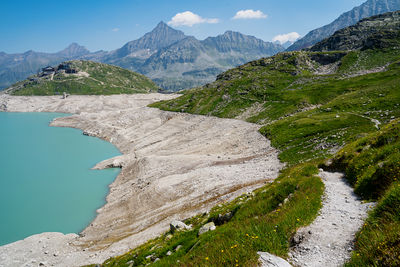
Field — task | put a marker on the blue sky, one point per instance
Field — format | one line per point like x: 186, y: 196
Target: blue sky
x: 49, y: 26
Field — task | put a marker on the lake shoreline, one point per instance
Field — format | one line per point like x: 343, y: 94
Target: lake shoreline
x: 46, y: 176
x: 173, y: 166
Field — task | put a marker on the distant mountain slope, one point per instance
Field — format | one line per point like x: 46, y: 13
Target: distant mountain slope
x: 380, y: 31
x: 277, y: 88
x: 368, y: 9
x: 161, y: 36
x: 169, y: 57
x: 16, y: 67
x: 84, y: 78
x: 175, y: 61
x: 190, y: 62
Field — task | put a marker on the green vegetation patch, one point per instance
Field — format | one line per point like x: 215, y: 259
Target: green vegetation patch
x: 92, y: 78
x: 306, y: 115
x: 262, y: 221
x: 372, y: 165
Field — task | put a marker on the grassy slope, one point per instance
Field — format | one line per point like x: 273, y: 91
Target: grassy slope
x: 345, y: 106
x: 281, y: 88
x: 372, y: 165
x: 103, y: 79
x: 261, y: 222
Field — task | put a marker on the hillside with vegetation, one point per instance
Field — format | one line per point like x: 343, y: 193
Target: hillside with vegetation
x: 335, y: 110
x: 83, y: 78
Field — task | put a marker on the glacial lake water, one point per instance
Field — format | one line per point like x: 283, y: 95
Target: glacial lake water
x: 46, y: 181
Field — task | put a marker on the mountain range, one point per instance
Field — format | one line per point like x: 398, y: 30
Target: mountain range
x: 169, y: 57
x: 16, y: 67
x: 367, y: 9
x: 176, y: 61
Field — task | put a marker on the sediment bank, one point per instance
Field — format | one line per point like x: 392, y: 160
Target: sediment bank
x: 174, y: 165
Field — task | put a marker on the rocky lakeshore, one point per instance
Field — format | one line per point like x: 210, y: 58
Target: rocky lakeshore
x: 174, y: 165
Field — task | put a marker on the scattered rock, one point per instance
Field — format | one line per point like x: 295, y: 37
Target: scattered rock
x: 207, y: 227
x: 151, y: 257
x: 296, y: 239
x: 178, y: 226
x: 223, y: 218
x: 155, y: 247
x: 65, y: 95
x: 169, y: 253
x: 269, y: 260
x: 226, y: 97
x: 178, y: 248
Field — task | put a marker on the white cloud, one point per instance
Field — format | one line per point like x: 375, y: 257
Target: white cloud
x: 289, y: 37
x: 115, y: 29
x: 188, y: 18
x: 250, y: 14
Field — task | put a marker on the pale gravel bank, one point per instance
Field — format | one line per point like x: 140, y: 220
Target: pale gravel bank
x: 173, y: 166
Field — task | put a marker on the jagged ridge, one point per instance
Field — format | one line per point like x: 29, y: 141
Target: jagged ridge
x: 369, y: 8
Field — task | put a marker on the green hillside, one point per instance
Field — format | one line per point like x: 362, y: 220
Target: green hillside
x: 372, y: 166
x: 309, y: 115
x: 84, y: 78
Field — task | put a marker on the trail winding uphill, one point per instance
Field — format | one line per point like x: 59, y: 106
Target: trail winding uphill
x: 174, y: 166
x: 328, y: 241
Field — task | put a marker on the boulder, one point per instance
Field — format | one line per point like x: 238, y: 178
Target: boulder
x: 269, y: 260
x: 223, y: 218
x: 207, y: 227
x: 178, y: 226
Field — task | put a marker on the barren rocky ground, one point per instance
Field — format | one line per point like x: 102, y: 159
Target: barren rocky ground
x: 174, y: 166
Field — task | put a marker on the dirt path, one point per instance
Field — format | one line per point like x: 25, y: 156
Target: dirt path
x: 328, y: 241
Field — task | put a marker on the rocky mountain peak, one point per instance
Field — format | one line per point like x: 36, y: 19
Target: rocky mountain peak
x: 74, y: 50
x: 161, y: 36
x: 161, y: 26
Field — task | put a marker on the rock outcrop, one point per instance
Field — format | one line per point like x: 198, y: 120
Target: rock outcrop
x: 269, y: 260
x: 178, y: 226
x: 367, y: 9
x: 382, y: 31
x: 207, y: 227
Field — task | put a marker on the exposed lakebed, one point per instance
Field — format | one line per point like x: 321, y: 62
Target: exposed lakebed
x: 46, y: 181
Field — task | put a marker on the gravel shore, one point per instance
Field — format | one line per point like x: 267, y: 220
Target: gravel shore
x: 174, y: 165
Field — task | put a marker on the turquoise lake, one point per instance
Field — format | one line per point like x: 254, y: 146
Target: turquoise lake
x: 46, y: 181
